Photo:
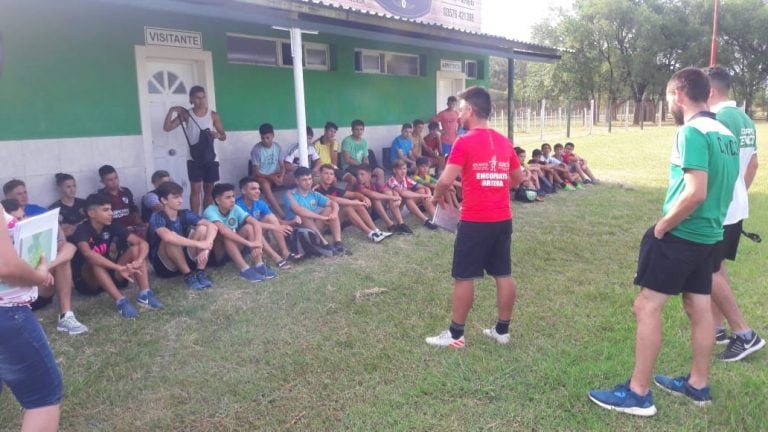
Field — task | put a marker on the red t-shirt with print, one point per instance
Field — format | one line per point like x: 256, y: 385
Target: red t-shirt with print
x: 486, y: 158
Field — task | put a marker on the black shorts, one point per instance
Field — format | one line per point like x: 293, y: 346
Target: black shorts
x: 206, y: 173
x: 41, y: 302
x: 672, y: 265
x: 169, y: 270
x: 726, y: 248
x: 482, y: 246
x: 83, y: 279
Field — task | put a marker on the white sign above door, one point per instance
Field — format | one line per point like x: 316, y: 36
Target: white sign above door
x: 173, y: 38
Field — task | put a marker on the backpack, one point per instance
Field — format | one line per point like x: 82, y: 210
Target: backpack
x: 305, y: 242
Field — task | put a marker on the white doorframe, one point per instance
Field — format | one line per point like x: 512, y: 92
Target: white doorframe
x: 440, y: 99
x: 145, y: 53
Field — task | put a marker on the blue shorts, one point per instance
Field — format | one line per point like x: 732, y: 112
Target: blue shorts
x: 27, y: 365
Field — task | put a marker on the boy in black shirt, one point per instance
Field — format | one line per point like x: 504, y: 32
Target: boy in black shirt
x: 107, y: 254
x: 71, y: 208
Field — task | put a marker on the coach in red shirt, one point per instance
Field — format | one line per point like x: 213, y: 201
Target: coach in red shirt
x: 488, y: 167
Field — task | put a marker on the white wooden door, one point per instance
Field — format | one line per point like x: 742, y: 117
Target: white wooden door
x: 448, y: 84
x: 167, y: 84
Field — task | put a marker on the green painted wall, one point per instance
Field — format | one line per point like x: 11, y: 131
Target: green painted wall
x: 70, y: 72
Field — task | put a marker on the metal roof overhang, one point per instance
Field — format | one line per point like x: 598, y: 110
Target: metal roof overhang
x: 353, y: 23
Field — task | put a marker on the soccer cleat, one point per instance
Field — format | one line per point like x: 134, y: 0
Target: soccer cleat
x: 579, y: 186
x: 125, y: 309
x: 430, y: 225
x: 721, y: 336
x: 405, y: 229
x: 251, y: 275
x: 265, y: 271
x: 149, y: 301
x: 569, y: 188
x: 622, y: 399
x: 502, y: 339
x: 739, y: 348
x: 203, y: 278
x: 69, y: 324
x: 679, y: 387
x: 445, y: 339
x: 384, y: 234
x: 193, y: 282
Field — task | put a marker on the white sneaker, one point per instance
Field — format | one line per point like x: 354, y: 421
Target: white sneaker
x: 445, y: 339
x: 501, y: 339
x: 71, y: 325
x: 384, y: 234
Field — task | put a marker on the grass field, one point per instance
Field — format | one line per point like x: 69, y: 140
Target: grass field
x: 301, y: 353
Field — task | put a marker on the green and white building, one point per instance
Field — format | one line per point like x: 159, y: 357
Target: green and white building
x: 88, y: 82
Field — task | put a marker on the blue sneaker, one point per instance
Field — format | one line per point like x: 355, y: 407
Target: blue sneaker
x: 149, y: 301
x: 125, y: 309
x: 265, y: 271
x: 203, y: 278
x: 679, y: 387
x: 193, y: 282
x: 622, y: 399
x: 251, y: 275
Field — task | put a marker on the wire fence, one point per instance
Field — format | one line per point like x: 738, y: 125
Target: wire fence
x: 577, y: 119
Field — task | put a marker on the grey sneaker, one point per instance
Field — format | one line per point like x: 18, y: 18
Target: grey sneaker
x: 68, y: 323
x: 738, y: 348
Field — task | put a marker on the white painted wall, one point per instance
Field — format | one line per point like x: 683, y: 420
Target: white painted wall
x: 36, y: 161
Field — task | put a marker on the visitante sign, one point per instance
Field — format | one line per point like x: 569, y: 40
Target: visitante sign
x: 173, y: 38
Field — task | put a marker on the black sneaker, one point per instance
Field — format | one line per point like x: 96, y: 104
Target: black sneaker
x: 404, y: 229
x: 429, y: 224
x: 721, y: 336
x: 738, y: 348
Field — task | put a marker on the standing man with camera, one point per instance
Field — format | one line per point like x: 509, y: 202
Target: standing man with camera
x: 201, y: 127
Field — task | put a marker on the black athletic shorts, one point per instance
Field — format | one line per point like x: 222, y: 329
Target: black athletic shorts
x: 672, y: 265
x: 726, y: 248
x: 482, y: 246
x: 169, y: 270
x: 86, y: 284
x: 206, y: 173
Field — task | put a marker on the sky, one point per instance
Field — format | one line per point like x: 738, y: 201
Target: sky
x: 513, y: 18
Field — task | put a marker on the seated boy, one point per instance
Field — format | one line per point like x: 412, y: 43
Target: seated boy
x: 423, y: 178
x: 124, y: 211
x: 150, y: 202
x: 402, y: 147
x: 562, y: 169
x: 354, y: 151
x: 250, y: 192
x: 315, y: 210
x: 237, y: 233
x: 291, y: 160
x: 108, y: 255
x: 326, y: 146
x: 578, y: 164
x: 17, y: 189
x: 530, y: 174
x: 380, y: 196
x: 549, y: 167
x: 266, y: 166
x: 413, y: 194
x: 62, y: 276
x: 180, y: 242
x: 354, y: 205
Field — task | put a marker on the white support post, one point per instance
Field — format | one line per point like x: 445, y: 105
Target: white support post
x: 297, y: 53
x: 591, y: 115
x: 543, y: 114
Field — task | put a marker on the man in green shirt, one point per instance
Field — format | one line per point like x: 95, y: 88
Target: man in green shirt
x: 744, y: 341
x: 676, y: 253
